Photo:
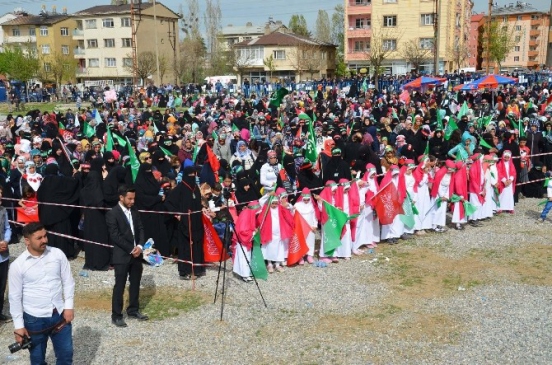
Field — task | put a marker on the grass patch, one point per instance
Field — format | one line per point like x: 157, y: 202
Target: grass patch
x: 157, y: 303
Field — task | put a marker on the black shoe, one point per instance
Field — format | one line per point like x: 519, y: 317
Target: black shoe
x: 5, y: 318
x: 139, y: 316
x: 119, y: 322
x: 474, y: 223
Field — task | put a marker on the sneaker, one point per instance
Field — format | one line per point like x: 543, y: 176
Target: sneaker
x: 247, y: 279
x: 474, y: 223
x: 406, y: 236
x: 540, y: 220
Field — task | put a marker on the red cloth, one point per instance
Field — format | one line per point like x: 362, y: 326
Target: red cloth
x: 286, y: 224
x: 213, y: 161
x: 326, y: 194
x: 212, y: 245
x: 386, y: 203
x: 459, y: 184
x: 476, y: 182
x: 298, y: 243
x: 245, y: 227
x: 437, y: 181
x: 401, y: 186
x: 500, y: 166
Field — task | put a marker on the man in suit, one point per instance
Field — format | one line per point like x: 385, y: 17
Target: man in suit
x: 127, y: 233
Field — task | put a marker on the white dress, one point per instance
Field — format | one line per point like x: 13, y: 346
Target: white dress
x: 275, y: 250
x: 506, y: 197
x: 241, y: 259
x: 307, y: 212
x: 439, y: 215
x: 489, y: 205
x: 409, y: 183
x: 345, y: 250
x: 367, y: 230
x: 423, y: 204
x: 395, y: 229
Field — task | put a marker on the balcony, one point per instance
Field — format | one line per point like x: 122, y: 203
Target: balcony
x: 20, y: 39
x: 532, y: 63
x: 536, y: 22
x: 81, y: 71
x: 533, y: 53
x: 534, y: 32
x: 354, y: 55
x: 359, y: 32
x: 78, y: 33
x: 533, y: 43
x: 354, y: 8
x: 78, y: 52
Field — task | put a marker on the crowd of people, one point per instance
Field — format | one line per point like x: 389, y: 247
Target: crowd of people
x: 394, y: 162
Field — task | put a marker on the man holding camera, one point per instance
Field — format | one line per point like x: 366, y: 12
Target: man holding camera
x: 41, y: 298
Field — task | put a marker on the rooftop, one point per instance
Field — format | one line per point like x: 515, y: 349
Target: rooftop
x: 515, y: 8
x: 250, y: 28
x: 29, y: 19
x: 113, y: 9
x: 282, y: 39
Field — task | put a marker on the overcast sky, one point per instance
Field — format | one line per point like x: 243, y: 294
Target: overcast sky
x: 236, y: 12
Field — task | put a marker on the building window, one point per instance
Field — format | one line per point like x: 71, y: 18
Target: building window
x: 533, y: 17
x: 389, y: 44
x: 389, y: 1
x: 127, y: 42
x: 47, y: 67
x: 279, y: 55
x: 518, y: 38
x: 92, y: 43
x: 426, y: 19
x: 16, y: 32
x: 109, y: 43
x: 127, y: 62
x: 93, y: 62
x: 323, y: 55
x: 90, y: 23
x: 359, y: 46
x: 516, y: 59
x: 518, y: 28
x: 108, y: 23
x: 44, y: 31
x: 250, y: 54
x: 426, y: 43
x: 504, y: 19
x: 125, y: 22
x: 519, y: 17
x: 32, y: 31
x: 45, y: 49
x: 517, y: 48
x: 390, y: 21
x: 64, y: 31
x: 110, y: 62
x: 65, y: 50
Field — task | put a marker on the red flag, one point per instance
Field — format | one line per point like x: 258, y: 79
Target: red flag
x: 214, y: 162
x: 298, y: 243
x: 387, y: 205
x: 212, y: 245
x: 27, y: 214
x: 405, y: 97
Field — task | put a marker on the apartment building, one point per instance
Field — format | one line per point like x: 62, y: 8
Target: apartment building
x: 531, y: 32
x: 474, y: 44
x: 293, y: 57
x: 394, y: 23
x: 104, y: 36
x: 5, y: 18
x: 232, y: 34
x: 47, y: 34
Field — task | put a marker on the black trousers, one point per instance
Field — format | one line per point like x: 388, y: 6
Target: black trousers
x: 132, y: 270
x: 3, y: 281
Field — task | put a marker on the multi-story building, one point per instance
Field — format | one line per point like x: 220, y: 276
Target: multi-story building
x: 5, y: 18
x: 531, y: 31
x: 282, y: 54
x: 474, y: 43
x: 47, y: 34
x: 392, y: 24
x: 232, y: 34
x: 104, y: 40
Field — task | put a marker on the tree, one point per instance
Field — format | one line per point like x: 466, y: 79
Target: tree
x: 163, y: 67
x: 212, y: 18
x: 242, y: 59
x: 269, y: 64
x: 338, y: 24
x: 458, y: 53
x: 498, y: 41
x: 383, y: 43
x: 20, y: 63
x: 192, y: 56
x: 323, y: 27
x: 305, y: 58
x: 146, y: 65
x: 298, y: 25
x: 61, y: 68
x: 414, y: 53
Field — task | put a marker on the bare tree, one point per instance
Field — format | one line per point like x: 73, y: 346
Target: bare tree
x: 458, y: 53
x: 323, y: 27
x: 192, y: 56
x: 212, y: 18
x: 415, y: 53
x: 269, y: 64
x: 242, y: 58
x: 145, y: 65
x: 190, y: 21
x: 312, y: 61
x: 383, y: 44
x: 338, y: 24
x: 163, y: 67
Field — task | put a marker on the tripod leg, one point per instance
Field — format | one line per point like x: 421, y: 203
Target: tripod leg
x: 220, y: 268
x: 224, y: 248
x: 253, y: 275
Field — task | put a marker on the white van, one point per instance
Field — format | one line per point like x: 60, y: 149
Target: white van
x: 224, y: 80
x: 467, y: 69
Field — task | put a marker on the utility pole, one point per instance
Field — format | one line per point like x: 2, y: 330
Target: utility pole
x: 436, y: 39
x: 156, y: 43
x: 489, y: 35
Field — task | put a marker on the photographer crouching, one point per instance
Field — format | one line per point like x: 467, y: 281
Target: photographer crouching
x: 41, y: 291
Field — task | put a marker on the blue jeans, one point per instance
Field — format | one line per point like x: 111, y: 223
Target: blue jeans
x: 546, y: 209
x: 62, y: 341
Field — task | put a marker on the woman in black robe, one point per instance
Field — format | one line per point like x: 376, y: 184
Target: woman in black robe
x: 307, y: 178
x: 185, y: 197
x: 148, y: 198
x: 115, y: 178
x: 60, y: 190
x: 95, y: 229
x: 245, y: 193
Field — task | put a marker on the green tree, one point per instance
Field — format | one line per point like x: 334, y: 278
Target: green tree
x: 20, y: 63
x: 337, y: 30
x: 498, y: 41
x: 298, y: 25
x: 269, y: 64
x: 61, y: 69
x: 323, y: 27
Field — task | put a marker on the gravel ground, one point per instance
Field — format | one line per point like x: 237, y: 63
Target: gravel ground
x: 389, y: 311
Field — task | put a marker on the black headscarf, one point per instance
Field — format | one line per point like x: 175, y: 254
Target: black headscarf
x: 160, y: 162
x: 147, y: 188
x: 246, y: 196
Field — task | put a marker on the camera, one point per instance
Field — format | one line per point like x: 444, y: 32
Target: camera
x: 25, y: 344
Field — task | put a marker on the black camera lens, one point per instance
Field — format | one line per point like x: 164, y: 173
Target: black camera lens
x: 14, y: 347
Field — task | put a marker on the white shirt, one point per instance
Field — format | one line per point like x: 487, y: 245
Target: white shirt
x: 128, y: 216
x: 36, y: 284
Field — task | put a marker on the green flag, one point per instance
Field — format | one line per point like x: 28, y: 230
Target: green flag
x: 486, y: 120
x: 311, y: 153
x: 134, y: 163
x: 521, y: 128
x: 364, y: 86
x: 394, y: 114
x: 258, y: 267
x: 408, y: 217
x: 166, y: 151
x: 60, y: 125
x: 109, y: 141
x: 215, y: 135
x: 451, y: 127
x: 458, y: 156
x: 234, y: 128
x: 196, y: 150
x: 440, y: 115
x: 304, y: 116
x: 463, y: 110
x: 119, y: 139
x: 426, y: 151
x: 87, y: 130
x: 332, y: 228
x: 484, y: 143
x: 278, y: 97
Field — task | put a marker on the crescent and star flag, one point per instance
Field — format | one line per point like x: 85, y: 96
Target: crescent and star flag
x: 298, y: 242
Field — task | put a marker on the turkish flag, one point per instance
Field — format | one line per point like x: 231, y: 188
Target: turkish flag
x: 405, y: 97
x: 386, y: 204
x: 212, y: 245
x: 298, y: 242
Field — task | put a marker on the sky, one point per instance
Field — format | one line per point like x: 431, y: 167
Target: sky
x: 236, y: 12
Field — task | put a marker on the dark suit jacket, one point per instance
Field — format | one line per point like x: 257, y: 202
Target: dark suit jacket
x: 121, y: 234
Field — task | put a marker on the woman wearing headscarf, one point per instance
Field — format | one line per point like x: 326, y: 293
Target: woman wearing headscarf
x: 31, y: 177
x: 336, y: 168
x: 59, y: 153
x: 245, y: 192
x: 95, y: 229
x: 114, y: 179
x: 56, y: 218
x: 326, y: 154
x: 160, y: 163
x: 243, y: 155
x: 16, y: 175
x: 149, y: 197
